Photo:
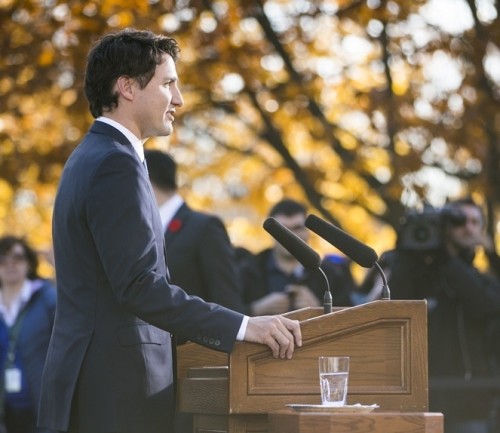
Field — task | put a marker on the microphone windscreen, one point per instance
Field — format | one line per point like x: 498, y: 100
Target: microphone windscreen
x: 362, y: 254
x: 309, y: 258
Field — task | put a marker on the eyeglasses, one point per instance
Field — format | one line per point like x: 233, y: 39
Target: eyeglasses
x: 13, y: 258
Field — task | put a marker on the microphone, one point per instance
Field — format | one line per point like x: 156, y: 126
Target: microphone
x: 360, y: 253
x: 309, y: 258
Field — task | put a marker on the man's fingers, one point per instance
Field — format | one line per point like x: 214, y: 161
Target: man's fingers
x: 279, y: 344
x: 285, y: 344
x: 274, y: 346
x: 289, y: 335
x: 280, y: 334
x: 293, y: 326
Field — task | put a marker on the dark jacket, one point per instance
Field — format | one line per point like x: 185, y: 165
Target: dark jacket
x: 462, y: 305
x: 201, y: 258
x: 110, y: 359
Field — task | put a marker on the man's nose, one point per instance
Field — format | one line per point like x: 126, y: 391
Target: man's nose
x: 177, y: 98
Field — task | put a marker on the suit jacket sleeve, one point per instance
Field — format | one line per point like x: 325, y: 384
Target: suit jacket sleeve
x: 125, y: 225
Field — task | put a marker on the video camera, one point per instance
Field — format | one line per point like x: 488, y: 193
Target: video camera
x: 424, y: 231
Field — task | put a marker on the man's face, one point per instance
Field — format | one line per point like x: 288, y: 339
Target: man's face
x: 469, y: 234
x: 296, y: 224
x: 155, y: 104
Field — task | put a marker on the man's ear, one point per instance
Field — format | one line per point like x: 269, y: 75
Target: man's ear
x: 125, y: 87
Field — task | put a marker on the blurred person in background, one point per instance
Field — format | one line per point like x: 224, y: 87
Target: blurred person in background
x: 434, y: 260
x: 274, y: 280
x: 200, y: 256
x: 27, y: 309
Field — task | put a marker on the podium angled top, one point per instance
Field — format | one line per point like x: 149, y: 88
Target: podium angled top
x: 386, y: 340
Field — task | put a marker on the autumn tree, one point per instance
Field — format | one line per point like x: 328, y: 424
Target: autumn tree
x: 361, y: 108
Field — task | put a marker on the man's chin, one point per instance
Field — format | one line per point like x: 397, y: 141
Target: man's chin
x: 167, y: 129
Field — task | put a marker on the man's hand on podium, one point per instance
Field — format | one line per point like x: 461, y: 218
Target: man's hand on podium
x: 280, y: 334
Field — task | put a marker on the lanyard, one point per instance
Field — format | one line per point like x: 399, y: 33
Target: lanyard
x: 14, y: 331
x: 13, y: 334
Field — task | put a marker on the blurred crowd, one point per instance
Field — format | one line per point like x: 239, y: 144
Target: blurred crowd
x: 433, y: 259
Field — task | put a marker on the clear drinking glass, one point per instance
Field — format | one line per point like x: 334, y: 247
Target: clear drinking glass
x: 333, y: 378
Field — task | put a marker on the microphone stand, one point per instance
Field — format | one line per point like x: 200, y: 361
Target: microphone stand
x: 386, y: 293
x: 327, y: 299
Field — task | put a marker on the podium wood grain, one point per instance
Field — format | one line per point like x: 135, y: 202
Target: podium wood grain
x: 386, y: 340
x: 386, y: 422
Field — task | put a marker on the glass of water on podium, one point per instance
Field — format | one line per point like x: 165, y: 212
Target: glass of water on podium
x: 333, y: 378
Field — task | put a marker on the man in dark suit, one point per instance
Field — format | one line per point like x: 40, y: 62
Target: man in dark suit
x: 200, y: 256
x: 274, y: 280
x: 109, y: 363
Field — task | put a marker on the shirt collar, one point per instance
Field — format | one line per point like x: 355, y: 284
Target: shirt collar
x: 169, y: 209
x: 29, y: 288
x: 137, y: 144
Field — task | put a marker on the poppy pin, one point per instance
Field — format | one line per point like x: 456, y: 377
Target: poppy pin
x: 175, y: 225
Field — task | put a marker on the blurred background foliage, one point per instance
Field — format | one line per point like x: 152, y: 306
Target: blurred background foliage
x: 359, y: 108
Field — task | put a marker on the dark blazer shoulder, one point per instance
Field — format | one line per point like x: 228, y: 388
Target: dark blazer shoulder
x: 193, y: 221
x: 103, y: 140
x: 105, y: 129
x: 189, y: 214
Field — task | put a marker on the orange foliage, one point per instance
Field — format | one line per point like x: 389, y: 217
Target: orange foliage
x: 330, y: 105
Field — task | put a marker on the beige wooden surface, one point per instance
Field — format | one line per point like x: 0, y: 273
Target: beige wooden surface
x: 374, y: 422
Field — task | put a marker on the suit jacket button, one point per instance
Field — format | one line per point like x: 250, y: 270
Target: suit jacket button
x: 217, y: 342
x: 205, y: 339
x: 211, y: 341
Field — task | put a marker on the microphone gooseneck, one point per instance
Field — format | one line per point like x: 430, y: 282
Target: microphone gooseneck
x: 362, y: 254
x: 386, y: 293
x: 327, y: 298
x: 306, y: 256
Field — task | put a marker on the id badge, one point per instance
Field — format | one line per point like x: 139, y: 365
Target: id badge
x: 13, y: 380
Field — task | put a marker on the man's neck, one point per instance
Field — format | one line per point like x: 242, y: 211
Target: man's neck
x: 163, y: 196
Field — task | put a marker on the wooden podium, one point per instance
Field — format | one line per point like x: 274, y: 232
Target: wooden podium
x: 386, y: 341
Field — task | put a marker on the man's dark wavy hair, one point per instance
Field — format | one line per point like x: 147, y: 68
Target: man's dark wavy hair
x: 130, y: 52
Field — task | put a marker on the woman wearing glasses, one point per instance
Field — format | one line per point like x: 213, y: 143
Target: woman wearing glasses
x: 27, y: 308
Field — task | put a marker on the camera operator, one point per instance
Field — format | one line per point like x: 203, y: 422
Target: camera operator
x: 433, y: 260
